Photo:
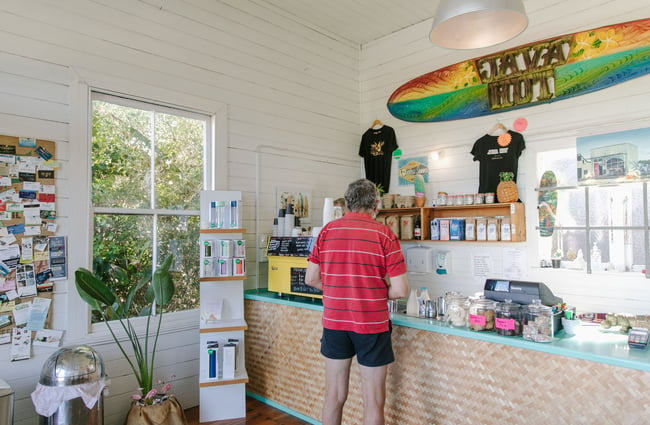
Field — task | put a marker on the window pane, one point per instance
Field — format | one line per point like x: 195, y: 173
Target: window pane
x: 563, y: 164
x: 179, y: 235
x: 571, y: 208
x: 620, y: 250
x: 573, y: 246
x: 620, y: 205
x: 179, y: 162
x: 136, y: 144
x: 123, y: 241
x: 121, y: 146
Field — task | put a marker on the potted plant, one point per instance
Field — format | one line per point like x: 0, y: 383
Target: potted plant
x: 420, y: 190
x: 115, y: 311
x: 557, y: 258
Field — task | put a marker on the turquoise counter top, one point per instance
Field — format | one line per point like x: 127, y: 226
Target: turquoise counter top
x: 590, y: 342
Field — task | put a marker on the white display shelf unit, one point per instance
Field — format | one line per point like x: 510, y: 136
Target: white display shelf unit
x: 221, y: 398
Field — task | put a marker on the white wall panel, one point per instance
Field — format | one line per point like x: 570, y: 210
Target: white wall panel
x: 388, y: 63
x: 286, y: 86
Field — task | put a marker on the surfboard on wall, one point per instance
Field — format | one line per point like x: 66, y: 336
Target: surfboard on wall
x: 541, y: 72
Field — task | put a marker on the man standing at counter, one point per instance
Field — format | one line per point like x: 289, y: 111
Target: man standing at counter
x: 358, y: 264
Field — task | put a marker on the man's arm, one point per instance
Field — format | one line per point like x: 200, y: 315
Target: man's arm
x: 312, y: 276
x: 398, y: 286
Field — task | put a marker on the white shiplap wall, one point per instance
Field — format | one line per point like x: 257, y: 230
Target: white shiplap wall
x: 287, y: 102
x: 390, y: 62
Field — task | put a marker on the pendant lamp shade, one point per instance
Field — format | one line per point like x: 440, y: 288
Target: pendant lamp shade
x: 472, y: 24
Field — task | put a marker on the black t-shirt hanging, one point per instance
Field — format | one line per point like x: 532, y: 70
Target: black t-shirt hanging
x: 496, y: 155
x: 377, y: 146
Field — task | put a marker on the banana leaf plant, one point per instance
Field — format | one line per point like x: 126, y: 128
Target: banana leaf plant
x: 117, y: 312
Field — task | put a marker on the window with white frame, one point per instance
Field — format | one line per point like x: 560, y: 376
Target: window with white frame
x: 147, y: 174
x: 598, y: 227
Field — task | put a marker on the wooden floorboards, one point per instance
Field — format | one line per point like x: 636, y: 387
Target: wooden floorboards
x: 257, y: 413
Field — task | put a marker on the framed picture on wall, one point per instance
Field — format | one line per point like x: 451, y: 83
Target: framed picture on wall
x: 614, y: 157
x: 299, y: 198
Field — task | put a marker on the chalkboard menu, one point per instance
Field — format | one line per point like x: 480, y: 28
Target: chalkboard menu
x: 290, y: 246
x: 298, y: 282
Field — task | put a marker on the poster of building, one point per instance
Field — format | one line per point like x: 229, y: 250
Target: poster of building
x: 614, y: 157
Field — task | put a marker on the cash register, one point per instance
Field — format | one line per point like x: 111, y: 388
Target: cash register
x: 520, y: 292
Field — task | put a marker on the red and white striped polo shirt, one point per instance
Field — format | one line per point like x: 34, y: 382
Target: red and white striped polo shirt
x: 355, y: 253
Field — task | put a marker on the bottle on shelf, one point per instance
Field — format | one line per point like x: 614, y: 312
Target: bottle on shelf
x: 235, y: 214
x: 212, y: 215
x: 422, y: 301
x: 430, y: 310
x: 417, y: 228
x: 412, y: 304
x: 219, y: 215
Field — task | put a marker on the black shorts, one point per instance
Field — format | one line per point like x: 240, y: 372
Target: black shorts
x: 372, y: 350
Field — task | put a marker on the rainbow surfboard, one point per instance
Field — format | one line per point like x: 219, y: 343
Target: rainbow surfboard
x: 546, y: 71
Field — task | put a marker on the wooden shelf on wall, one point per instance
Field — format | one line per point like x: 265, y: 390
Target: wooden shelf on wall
x: 513, y: 210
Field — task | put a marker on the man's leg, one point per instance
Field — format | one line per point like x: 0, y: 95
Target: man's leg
x: 373, y: 389
x: 337, y: 378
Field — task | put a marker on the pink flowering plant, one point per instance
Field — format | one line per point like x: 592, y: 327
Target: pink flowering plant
x: 116, y: 312
x: 154, y: 394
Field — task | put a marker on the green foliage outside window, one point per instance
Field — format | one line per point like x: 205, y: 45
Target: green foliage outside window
x: 146, y: 165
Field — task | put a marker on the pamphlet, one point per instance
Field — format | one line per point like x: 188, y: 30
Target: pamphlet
x: 58, y: 257
x: 38, y: 313
x: 48, y: 338
x: 5, y: 320
x: 211, y: 310
x: 21, y: 313
x: 20, y: 344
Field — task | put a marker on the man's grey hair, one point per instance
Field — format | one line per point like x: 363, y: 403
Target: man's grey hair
x: 361, y: 195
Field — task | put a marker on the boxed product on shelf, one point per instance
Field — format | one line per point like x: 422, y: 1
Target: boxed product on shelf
x: 470, y: 229
x: 435, y: 229
x: 238, y: 266
x: 229, y: 360
x: 239, y: 248
x: 505, y: 229
x: 223, y: 267
x: 207, y: 267
x: 213, y: 359
x: 456, y: 229
x: 235, y: 342
x: 493, y: 229
x: 208, y: 248
x: 406, y: 227
x: 481, y: 229
x: 225, y: 248
x: 392, y: 221
x: 444, y: 229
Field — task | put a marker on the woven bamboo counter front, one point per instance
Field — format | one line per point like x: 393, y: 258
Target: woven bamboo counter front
x: 442, y: 379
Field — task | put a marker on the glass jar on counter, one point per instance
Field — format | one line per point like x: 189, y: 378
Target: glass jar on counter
x: 538, y: 322
x: 481, y: 314
x: 508, y: 319
x: 457, y: 307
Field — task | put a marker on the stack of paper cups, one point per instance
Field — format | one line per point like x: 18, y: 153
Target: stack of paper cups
x: 328, y: 210
x: 289, y: 221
